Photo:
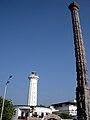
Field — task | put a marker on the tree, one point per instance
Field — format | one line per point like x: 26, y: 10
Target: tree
x: 8, y: 109
x: 65, y: 116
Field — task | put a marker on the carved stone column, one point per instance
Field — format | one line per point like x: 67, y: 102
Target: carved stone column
x: 82, y: 90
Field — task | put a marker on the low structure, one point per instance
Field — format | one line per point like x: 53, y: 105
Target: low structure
x: 42, y: 111
x: 21, y: 111
x: 69, y: 107
x: 25, y: 111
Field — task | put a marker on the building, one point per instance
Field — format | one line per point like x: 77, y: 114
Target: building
x: 69, y: 107
x: 25, y: 111
x: 21, y: 112
x: 32, y: 90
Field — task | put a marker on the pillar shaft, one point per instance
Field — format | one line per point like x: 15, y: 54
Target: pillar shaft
x: 82, y: 90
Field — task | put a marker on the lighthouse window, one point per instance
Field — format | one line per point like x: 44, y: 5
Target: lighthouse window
x: 32, y: 72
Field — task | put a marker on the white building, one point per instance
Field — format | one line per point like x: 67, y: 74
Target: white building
x: 69, y: 107
x: 25, y: 111
x: 32, y: 90
x: 42, y: 111
x: 21, y: 111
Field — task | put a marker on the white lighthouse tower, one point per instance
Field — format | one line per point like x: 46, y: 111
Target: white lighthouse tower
x: 32, y: 91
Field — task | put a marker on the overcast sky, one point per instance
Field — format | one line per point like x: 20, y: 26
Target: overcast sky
x: 36, y: 35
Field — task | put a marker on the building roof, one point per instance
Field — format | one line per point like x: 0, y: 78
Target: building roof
x: 72, y: 102
x: 22, y: 106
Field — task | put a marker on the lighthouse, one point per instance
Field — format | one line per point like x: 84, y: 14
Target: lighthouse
x: 32, y: 90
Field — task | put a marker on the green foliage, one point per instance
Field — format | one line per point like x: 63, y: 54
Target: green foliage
x: 65, y: 116
x: 8, y: 109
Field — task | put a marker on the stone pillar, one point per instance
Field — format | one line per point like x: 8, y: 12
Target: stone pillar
x: 82, y: 90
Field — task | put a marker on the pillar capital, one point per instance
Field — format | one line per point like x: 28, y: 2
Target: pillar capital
x: 74, y: 6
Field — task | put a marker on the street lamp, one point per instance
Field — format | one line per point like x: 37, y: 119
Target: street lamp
x: 7, y: 82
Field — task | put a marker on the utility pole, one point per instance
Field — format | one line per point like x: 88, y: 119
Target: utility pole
x: 5, y: 90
